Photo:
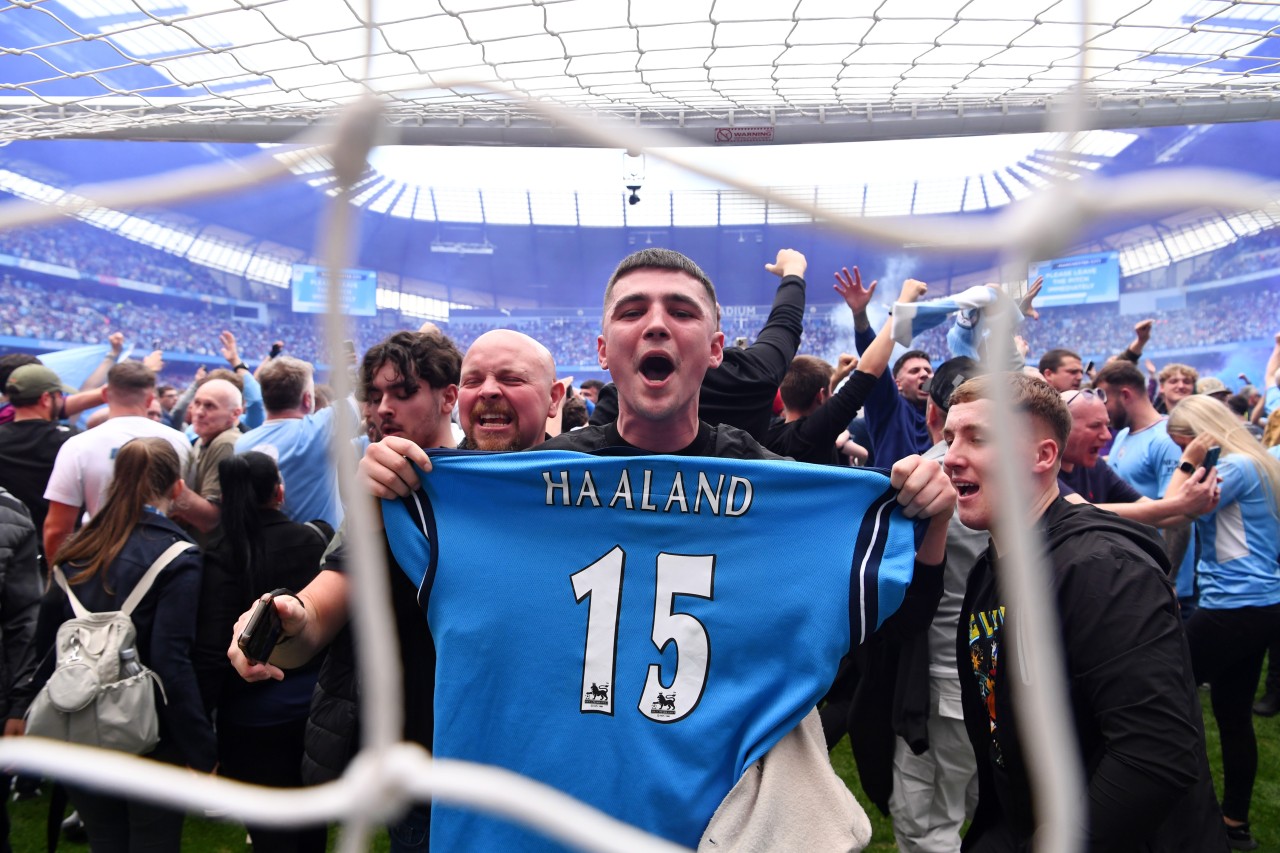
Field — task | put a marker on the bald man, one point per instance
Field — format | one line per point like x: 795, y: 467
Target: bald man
x: 507, y: 392
x: 215, y: 412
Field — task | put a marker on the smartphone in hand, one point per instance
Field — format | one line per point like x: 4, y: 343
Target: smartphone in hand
x: 1211, y: 458
x: 260, y: 635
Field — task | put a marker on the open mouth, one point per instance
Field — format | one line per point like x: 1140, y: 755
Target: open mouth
x: 656, y: 368
x: 965, y: 490
x: 488, y: 415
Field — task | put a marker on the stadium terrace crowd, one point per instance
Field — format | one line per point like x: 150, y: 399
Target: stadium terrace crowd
x: 35, y: 310
x: 1246, y: 255
x: 1156, y: 492
x: 95, y: 252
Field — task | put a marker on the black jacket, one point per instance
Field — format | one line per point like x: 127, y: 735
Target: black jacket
x: 333, y: 726
x: 812, y: 438
x: 291, y: 559
x: 740, y: 392
x: 1133, y: 699
x: 20, y: 588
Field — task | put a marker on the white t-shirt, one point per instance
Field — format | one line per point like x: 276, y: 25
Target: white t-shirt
x: 85, y: 463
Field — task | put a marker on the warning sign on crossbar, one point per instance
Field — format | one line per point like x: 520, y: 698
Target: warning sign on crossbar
x: 731, y: 135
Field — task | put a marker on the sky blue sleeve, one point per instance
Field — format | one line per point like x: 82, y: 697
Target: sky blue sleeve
x: 1165, y: 457
x: 1234, y: 480
x: 255, y: 413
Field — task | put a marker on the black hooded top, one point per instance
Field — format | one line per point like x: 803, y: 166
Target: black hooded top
x: 1137, y: 714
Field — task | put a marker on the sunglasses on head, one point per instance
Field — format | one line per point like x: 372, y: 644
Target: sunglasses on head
x: 1087, y: 393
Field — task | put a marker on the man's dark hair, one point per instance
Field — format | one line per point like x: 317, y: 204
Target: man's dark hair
x: 1053, y: 359
x: 907, y: 356
x: 427, y: 356
x: 806, y: 376
x: 591, y: 383
x: 1239, y: 404
x: 131, y: 378
x: 663, y: 259
x: 11, y: 362
x: 1121, y: 374
x: 574, y: 414
x: 161, y: 390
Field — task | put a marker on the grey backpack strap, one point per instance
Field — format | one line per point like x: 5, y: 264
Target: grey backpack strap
x: 76, y: 607
x: 144, y: 584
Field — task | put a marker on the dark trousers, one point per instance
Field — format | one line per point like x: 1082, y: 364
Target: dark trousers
x: 270, y: 756
x: 1227, y: 647
x: 116, y: 825
x: 1273, y: 666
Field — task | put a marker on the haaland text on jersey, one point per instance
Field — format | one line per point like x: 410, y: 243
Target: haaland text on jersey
x: 729, y: 496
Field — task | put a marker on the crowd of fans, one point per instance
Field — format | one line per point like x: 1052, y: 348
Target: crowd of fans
x: 1246, y: 255
x: 33, y: 310
x: 234, y: 465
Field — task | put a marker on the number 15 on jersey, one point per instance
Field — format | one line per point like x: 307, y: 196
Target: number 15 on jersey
x: 600, y: 584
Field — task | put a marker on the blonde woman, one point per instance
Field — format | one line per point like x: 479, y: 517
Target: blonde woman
x: 1239, y: 579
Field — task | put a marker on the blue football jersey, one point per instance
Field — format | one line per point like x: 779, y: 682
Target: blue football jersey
x: 636, y: 630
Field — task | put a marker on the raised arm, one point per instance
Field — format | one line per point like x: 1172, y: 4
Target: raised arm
x: 82, y: 400
x: 98, y: 377
x: 1141, y: 335
x: 875, y: 358
x: 254, y: 411
x: 1268, y: 383
x: 855, y: 296
x: 779, y: 338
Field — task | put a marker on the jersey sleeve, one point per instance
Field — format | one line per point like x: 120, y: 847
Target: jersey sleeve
x: 409, y: 523
x: 883, y: 396
x: 1234, y: 481
x: 1164, y: 460
x: 255, y: 412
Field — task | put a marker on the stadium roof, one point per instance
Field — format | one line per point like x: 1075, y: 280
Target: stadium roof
x: 477, y: 71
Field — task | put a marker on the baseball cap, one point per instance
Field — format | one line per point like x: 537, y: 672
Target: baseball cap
x: 32, y: 380
x: 949, y: 376
x: 1212, y: 385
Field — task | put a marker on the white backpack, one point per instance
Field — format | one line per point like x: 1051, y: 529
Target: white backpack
x: 88, y: 700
